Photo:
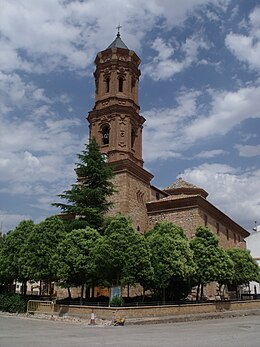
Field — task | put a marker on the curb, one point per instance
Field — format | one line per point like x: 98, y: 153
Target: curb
x: 191, y: 317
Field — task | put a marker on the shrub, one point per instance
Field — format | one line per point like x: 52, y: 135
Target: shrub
x: 13, y: 303
x: 117, y: 301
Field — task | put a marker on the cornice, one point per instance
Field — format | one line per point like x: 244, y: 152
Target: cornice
x: 127, y: 165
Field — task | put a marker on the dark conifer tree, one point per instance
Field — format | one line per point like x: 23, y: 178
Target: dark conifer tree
x: 88, y: 198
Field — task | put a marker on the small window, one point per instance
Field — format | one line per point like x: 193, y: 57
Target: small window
x: 133, y: 137
x: 157, y: 196
x: 227, y: 231
x: 217, y: 228
x: 138, y: 228
x: 205, y: 220
x: 107, y: 85
x: 239, y: 239
x: 235, y: 238
x: 105, y: 135
x: 132, y: 84
x: 120, y: 85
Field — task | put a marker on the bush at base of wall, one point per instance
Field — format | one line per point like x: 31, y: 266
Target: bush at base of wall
x: 13, y: 303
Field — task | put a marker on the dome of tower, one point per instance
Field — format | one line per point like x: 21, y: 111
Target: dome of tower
x: 118, y: 43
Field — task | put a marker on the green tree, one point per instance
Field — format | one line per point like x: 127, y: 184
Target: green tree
x: 12, y: 250
x: 224, y: 270
x: 172, y: 258
x: 88, y: 199
x: 76, y: 258
x: 124, y: 256
x: 246, y: 268
x: 212, y: 262
x: 36, y: 260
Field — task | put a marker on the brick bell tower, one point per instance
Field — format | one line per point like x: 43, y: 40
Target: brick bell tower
x: 117, y: 126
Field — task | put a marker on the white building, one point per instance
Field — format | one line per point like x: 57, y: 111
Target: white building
x: 253, y: 245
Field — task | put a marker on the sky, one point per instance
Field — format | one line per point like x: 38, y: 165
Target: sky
x: 199, y: 92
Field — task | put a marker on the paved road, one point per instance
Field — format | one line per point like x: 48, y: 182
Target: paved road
x: 231, y: 332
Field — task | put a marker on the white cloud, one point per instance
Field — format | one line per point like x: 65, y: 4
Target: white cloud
x: 176, y: 11
x: 248, y: 151
x: 247, y: 47
x: 169, y: 132
x: 40, y: 36
x: 228, y: 110
x: 210, y: 154
x: 9, y: 221
x: 163, y: 135
x: 230, y: 190
x: 163, y: 66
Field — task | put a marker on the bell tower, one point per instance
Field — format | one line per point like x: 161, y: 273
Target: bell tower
x: 115, y: 121
x: 117, y: 126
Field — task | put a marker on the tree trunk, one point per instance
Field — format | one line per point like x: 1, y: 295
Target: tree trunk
x: 201, y: 291
x: 143, y: 294
x: 128, y: 291
x: 82, y: 294
x: 237, y: 292
x: 24, y: 287
x: 50, y: 290
x: 197, y: 294
x: 40, y: 289
x: 69, y: 293
x: 93, y: 292
x: 87, y: 293
x: 163, y: 296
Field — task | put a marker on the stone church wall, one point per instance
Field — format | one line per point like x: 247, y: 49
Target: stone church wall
x: 188, y: 219
x: 130, y: 199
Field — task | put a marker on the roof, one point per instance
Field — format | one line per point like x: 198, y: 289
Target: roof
x: 180, y: 187
x: 180, y: 183
x: 117, y: 43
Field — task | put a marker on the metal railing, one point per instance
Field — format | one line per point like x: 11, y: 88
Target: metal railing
x: 37, y: 306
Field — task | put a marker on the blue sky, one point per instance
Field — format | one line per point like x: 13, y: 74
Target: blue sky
x: 199, y: 92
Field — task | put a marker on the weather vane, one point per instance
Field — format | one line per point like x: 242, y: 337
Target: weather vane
x: 118, y: 29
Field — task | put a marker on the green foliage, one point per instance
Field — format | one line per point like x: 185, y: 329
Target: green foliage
x: 36, y: 261
x: 225, y: 267
x: 166, y: 228
x: 75, y: 260
x: 207, y: 255
x: 246, y: 268
x: 11, y: 251
x: 123, y: 254
x: 88, y: 198
x: 172, y: 257
x: 13, y: 303
x: 213, y: 262
x: 117, y: 301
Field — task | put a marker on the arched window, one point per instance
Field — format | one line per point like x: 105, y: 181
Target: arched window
x: 120, y: 84
x: 132, y: 84
x: 105, y: 135
x: 133, y: 136
x: 107, y: 85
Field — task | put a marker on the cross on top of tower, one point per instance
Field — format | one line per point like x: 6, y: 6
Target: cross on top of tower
x: 118, y: 30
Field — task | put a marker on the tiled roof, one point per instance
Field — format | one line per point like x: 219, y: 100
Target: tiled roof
x: 180, y: 183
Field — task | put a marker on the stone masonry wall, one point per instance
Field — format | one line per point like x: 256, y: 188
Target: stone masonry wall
x: 130, y: 199
x: 190, y: 218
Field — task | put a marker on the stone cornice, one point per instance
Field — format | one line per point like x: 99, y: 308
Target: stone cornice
x: 115, y: 110
x: 135, y: 170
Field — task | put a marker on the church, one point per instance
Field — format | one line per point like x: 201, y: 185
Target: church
x: 116, y: 124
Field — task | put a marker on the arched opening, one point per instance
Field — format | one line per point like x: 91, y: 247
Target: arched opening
x: 133, y: 137
x: 105, y: 135
x: 120, y: 84
x: 107, y: 85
